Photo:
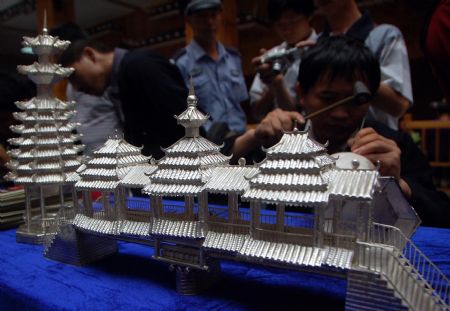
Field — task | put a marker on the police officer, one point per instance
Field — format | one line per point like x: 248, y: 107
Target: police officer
x: 215, y: 70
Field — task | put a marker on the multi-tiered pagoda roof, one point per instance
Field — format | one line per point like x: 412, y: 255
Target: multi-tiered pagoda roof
x: 46, y: 104
x: 295, y: 172
x: 298, y: 171
x: 188, y: 163
x: 45, y: 44
x: 45, y: 73
x: 46, y: 152
x: 109, y: 164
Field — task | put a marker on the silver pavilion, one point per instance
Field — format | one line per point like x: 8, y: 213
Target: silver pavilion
x: 102, y: 174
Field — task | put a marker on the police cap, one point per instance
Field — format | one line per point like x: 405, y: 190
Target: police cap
x: 200, y: 5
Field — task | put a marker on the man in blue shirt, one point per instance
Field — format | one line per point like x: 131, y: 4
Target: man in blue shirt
x: 215, y: 70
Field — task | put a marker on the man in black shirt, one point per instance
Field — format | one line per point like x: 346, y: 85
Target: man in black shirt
x: 147, y: 89
x: 327, y: 74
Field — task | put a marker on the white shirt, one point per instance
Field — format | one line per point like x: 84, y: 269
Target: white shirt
x: 258, y: 87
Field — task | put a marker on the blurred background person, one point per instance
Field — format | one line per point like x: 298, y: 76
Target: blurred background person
x: 271, y: 89
x: 216, y: 71
x: 436, y: 44
x: 98, y: 116
x: 148, y: 89
x: 394, y: 96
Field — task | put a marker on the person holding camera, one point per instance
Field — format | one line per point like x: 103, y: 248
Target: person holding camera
x: 274, y: 84
x: 328, y: 74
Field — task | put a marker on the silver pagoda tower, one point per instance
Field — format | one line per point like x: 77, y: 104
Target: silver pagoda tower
x: 45, y: 157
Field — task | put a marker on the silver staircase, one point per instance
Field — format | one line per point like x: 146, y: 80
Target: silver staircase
x: 398, y: 267
x: 73, y: 247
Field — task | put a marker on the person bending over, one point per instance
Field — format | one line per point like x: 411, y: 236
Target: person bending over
x: 146, y: 87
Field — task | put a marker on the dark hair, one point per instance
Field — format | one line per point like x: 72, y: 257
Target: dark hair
x: 182, y: 4
x: 339, y: 56
x: 70, y: 31
x: 75, y: 50
x: 275, y: 8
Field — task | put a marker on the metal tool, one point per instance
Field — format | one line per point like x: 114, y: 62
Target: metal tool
x: 361, y: 95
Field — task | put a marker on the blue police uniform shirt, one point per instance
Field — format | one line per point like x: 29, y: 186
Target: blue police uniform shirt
x: 219, y: 85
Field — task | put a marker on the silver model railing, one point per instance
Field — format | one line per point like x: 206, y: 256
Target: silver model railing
x: 388, y: 235
x: 408, y: 258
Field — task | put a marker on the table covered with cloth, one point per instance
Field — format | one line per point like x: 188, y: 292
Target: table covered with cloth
x: 131, y: 280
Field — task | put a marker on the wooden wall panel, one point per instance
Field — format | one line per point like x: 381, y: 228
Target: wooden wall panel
x: 255, y: 37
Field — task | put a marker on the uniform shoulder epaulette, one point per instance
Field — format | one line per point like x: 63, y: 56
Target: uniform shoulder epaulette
x: 178, y: 54
x: 232, y: 51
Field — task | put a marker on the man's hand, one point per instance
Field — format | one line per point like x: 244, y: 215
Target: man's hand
x: 270, y: 130
x: 375, y: 147
x: 265, y: 70
x: 305, y: 43
x: 379, y: 149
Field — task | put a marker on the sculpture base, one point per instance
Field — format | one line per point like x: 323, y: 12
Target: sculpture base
x: 193, y: 281
x: 78, y: 248
x: 35, y: 235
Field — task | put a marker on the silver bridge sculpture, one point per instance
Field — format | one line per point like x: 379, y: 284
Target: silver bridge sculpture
x: 307, y: 211
x: 326, y: 217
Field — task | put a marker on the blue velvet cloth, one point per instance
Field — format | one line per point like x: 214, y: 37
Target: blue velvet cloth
x: 130, y: 280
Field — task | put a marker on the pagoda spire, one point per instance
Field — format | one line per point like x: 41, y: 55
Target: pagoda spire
x: 44, y: 28
x: 192, y: 99
x: 191, y: 119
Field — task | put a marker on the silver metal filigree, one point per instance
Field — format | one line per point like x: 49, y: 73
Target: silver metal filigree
x: 46, y: 156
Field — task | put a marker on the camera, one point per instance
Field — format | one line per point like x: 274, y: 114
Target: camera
x: 281, y: 58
